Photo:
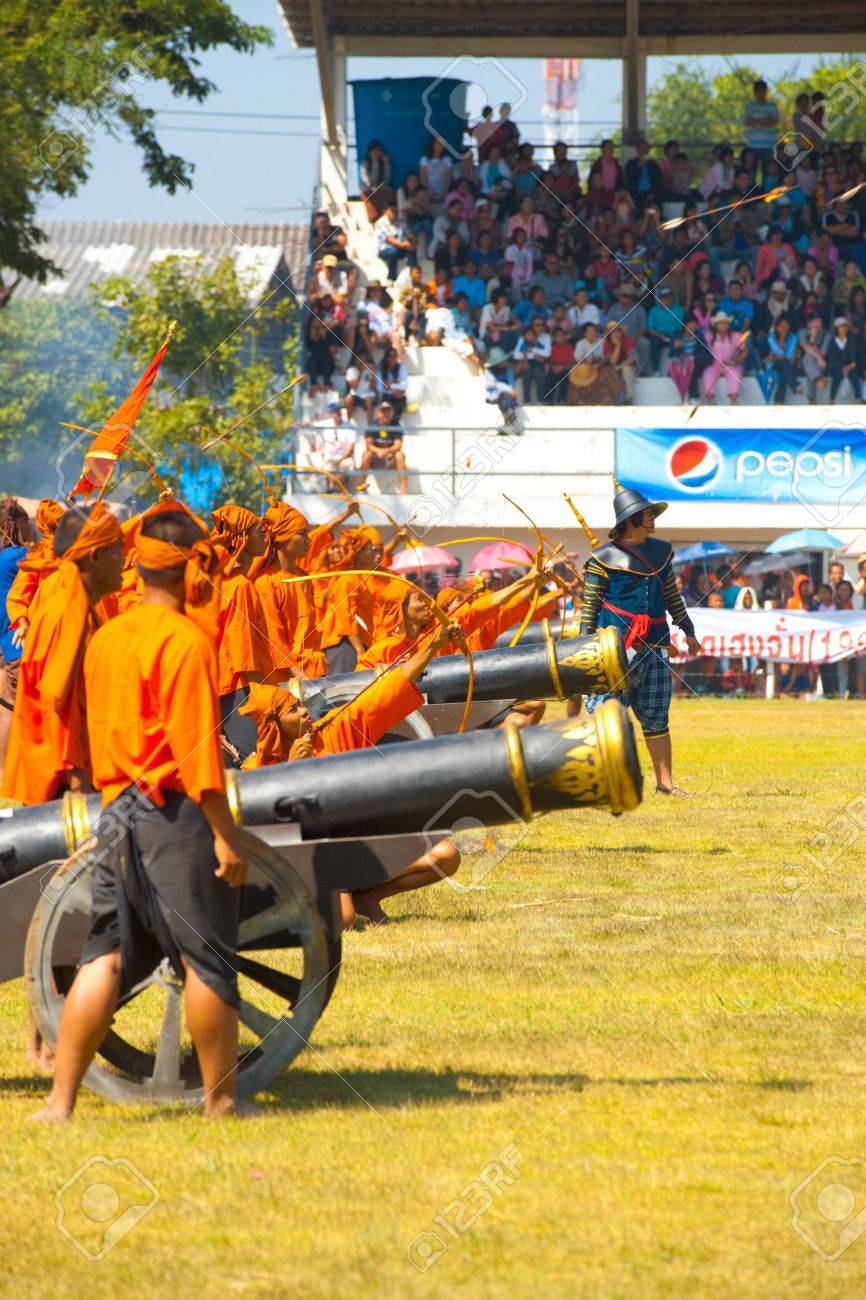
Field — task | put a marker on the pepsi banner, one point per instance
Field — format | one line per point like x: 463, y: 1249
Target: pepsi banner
x: 824, y: 467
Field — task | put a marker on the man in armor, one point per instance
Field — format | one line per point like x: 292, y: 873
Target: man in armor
x: 630, y: 585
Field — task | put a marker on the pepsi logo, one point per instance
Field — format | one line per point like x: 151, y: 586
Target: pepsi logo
x: 694, y: 464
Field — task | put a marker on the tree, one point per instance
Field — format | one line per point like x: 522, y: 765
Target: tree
x: 229, y: 356
x: 69, y: 68
x: 51, y: 351
x: 699, y: 110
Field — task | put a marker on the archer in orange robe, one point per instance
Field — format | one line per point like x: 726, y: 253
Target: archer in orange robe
x: 285, y: 731
x: 290, y: 607
x: 38, y: 564
x: 243, y: 652
x: 48, y: 741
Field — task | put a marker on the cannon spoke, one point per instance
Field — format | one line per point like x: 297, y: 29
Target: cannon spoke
x: 257, y: 1020
x: 279, y: 916
x: 167, y: 1066
x: 275, y: 981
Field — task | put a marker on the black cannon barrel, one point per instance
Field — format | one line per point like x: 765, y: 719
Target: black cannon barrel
x: 490, y: 776
x: 587, y: 665
x: 547, y: 630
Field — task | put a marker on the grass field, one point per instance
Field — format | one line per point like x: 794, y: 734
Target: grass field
x: 663, y: 1014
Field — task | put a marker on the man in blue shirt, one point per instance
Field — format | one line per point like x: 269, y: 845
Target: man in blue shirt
x: 741, y: 310
x: 665, y: 321
x: 472, y: 285
x: 761, y: 120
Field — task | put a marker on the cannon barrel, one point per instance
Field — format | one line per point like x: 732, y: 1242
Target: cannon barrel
x: 547, y: 630
x: 587, y: 665
x: 490, y: 776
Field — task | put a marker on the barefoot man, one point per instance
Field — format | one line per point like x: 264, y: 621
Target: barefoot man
x: 168, y: 859
x: 630, y: 585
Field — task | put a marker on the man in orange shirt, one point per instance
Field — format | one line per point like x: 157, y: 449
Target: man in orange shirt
x: 243, y: 652
x: 285, y: 731
x: 48, y: 740
x: 169, y: 863
x: 290, y: 608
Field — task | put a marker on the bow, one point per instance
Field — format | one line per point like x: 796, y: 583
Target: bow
x: 220, y: 437
x: 438, y: 613
x: 269, y: 489
x: 539, y: 557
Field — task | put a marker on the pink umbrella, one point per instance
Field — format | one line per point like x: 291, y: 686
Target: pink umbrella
x: 501, y: 555
x: 416, y: 559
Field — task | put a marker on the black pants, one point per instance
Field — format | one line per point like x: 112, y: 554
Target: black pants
x: 155, y: 894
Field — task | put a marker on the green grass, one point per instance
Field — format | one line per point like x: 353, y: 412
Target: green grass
x: 671, y: 1046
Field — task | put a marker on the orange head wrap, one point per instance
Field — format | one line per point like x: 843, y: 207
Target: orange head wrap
x: 100, y: 530
x: 283, y: 522
x: 352, y: 541
x: 265, y: 704
x: 232, y: 527
x: 371, y: 535
x: 445, y: 595
x: 391, y: 599
x: 48, y: 514
x: 200, y: 562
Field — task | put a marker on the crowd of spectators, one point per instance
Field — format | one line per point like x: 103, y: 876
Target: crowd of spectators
x: 566, y: 287
x: 731, y: 587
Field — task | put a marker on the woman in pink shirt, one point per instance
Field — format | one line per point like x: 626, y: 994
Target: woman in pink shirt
x: 462, y: 194
x: 726, y: 349
x: 530, y: 221
x: 776, y: 260
x: 519, y: 254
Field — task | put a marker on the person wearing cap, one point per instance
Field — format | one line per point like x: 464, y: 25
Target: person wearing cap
x: 727, y: 352
x: 664, y: 323
x: 630, y: 585
x: 384, y: 445
x: 631, y: 315
x: 842, y: 357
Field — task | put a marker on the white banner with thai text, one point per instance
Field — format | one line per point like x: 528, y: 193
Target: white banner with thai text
x: 781, y: 635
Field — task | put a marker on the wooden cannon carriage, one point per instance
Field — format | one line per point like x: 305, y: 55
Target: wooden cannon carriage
x: 311, y: 829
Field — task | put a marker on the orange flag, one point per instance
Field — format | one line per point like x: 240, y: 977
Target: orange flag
x: 109, y: 443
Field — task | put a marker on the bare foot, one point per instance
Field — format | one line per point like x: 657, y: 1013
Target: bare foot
x: 371, y: 908
x: 229, y: 1108
x: 52, y: 1114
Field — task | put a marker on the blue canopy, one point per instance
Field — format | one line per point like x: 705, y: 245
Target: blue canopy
x: 701, y: 551
x: 805, y: 539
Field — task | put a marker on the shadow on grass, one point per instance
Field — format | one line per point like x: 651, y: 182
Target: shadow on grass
x: 311, y: 1089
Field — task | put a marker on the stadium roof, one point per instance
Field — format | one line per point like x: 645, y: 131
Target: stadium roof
x: 89, y: 251
x: 598, y: 28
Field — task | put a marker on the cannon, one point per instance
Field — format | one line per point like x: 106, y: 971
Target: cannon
x: 548, y: 630
x: 310, y: 830
x: 587, y: 665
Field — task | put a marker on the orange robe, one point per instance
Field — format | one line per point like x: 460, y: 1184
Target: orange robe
x: 386, y: 650
x: 28, y: 580
x: 291, y: 616
x: 48, y: 737
x: 242, y: 637
x: 513, y: 612
x: 153, y: 716
x: 321, y: 538
x: 358, y: 725
x: 350, y: 611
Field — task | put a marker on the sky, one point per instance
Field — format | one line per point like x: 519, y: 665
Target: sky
x: 262, y: 166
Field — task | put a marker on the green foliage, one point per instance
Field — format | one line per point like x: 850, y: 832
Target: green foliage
x: 699, y: 110
x: 50, y: 351
x: 70, y: 68
x: 228, y: 357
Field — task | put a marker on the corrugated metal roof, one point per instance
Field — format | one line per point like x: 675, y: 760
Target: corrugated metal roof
x: 89, y: 251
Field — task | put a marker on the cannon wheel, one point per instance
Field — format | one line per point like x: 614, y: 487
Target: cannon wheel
x: 278, y: 1010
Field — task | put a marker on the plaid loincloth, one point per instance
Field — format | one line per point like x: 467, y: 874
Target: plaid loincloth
x: 649, y: 691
